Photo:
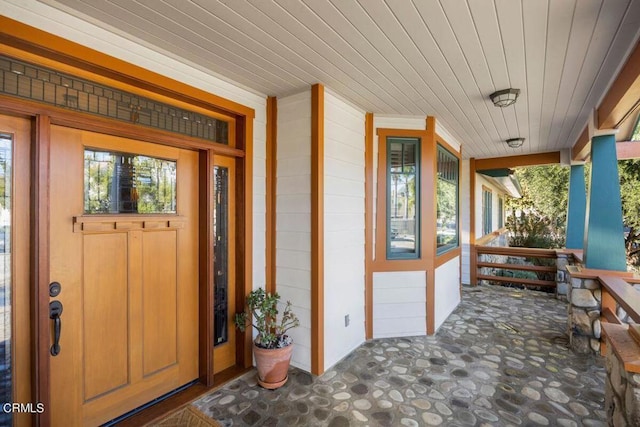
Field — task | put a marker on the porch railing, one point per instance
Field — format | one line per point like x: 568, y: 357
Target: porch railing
x: 624, y: 337
x: 497, y: 271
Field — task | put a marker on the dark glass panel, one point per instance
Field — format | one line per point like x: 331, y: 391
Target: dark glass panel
x: 221, y: 253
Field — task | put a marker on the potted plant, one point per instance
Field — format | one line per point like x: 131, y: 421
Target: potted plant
x: 272, y: 347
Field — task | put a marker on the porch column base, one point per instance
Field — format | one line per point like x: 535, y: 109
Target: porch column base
x: 583, y: 314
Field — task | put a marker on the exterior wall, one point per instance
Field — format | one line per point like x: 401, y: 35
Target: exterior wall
x: 399, y: 304
x: 399, y: 298
x: 293, y: 217
x: 465, y: 222
x: 343, y: 228
x: 447, y: 290
x: 56, y: 22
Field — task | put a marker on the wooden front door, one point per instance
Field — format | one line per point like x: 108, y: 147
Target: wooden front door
x: 224, y: 277
x: 124, y: 249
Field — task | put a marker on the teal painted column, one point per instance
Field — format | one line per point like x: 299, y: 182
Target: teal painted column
x: 577, y: 208
x: 604, y: 239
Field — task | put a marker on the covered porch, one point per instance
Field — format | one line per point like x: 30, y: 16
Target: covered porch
x: 342, y: 154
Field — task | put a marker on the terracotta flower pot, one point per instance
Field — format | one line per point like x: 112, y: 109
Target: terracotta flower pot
x: 272, y: 365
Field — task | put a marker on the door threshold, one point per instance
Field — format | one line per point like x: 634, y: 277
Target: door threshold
x: 177, y: 399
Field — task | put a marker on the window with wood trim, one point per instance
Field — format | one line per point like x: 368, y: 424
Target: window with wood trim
x: 487, y: 210
x: 403, y: 197
x: 447, y: 200
x: 500, y: 212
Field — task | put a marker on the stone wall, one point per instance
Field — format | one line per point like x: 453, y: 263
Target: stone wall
x: 583, y: 313
x: 562, y: 276
x: 622, y: 393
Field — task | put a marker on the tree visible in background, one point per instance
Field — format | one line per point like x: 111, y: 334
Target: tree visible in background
x: 544, y: 204
x: 629, y: 171
x: 542, y: 209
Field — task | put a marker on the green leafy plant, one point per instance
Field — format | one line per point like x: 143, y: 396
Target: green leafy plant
x: 262, y: 313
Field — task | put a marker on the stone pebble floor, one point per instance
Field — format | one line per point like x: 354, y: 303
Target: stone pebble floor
x: 501, y: 359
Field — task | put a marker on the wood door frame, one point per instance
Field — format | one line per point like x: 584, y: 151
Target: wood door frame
x: 43, y: 116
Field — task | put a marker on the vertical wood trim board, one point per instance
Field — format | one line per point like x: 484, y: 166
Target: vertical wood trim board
x: 272, y: 147
x: 368, y: 221
x: 205, y: 292
x: 244, y: 260
x: 317, y: 229
x: 473, y: 257
x: 429, y: 214
x: 40, y: 262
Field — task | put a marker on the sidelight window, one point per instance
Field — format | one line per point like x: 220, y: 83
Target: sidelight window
x: 220, y: 254
x: 6, y: 288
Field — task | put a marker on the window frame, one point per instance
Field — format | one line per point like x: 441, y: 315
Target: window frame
x: 500, y: 211
x: 427, y: 165
x: 416, y: 253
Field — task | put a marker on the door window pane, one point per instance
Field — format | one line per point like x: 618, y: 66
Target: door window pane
x: 6, y: 383
x: 403, y: 193
x: 128, y: 183
x: 221, y: 254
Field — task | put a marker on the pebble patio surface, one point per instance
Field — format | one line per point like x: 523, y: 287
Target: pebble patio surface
x: 501, y: 359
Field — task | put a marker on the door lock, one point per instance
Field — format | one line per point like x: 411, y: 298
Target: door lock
x: 54, y: 289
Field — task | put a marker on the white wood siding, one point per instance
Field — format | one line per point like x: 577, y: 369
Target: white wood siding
x: 343, y: 228
x: 446, y: 135
x: 399, y: 304
x: 447, y: 290
x: 293, y: 217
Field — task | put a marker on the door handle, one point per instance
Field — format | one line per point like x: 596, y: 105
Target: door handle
x: 55, y: 310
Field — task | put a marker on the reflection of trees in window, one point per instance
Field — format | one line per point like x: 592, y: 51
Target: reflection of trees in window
x: 402, y: 205
x: 126, y: 183
x: 635, y: 135
x: 447, y: 200
x: 6, y: 282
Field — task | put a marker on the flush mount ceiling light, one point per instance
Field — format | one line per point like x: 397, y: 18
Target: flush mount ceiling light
x: 504, y: 98
x: 515, y: 142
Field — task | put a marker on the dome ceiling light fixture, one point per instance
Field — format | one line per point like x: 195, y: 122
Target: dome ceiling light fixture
x: 515, y: 142
x: 504, y: 98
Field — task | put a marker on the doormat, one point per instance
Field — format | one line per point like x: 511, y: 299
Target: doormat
x: 187, y: 416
